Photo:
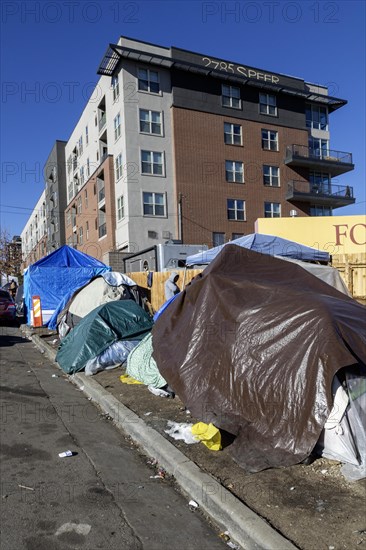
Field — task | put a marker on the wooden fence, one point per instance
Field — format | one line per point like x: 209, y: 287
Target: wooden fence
x: 352, y: 268
x: 156, y: 294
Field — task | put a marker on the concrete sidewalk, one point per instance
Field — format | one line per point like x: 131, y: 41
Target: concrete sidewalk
x: 245, y: 527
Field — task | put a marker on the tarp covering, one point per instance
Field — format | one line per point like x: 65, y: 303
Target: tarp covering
x: 252, y: 345
x: 121, y: 320
x: 107, y: 287
x: 56, y: 275
x: 266, y: 244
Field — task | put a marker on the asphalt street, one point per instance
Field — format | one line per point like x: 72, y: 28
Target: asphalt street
x: 104, y: 496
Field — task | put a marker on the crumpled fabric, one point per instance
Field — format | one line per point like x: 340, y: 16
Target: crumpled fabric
x: 208, y: 434
x: 181, y: 431
x: 126, y: 379
x: 142, y: 366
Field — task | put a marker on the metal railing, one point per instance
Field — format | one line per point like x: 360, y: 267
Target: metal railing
x: 102, y: 230
x: 319, y: 189
x: 102, y: 121
x: 303, y: 151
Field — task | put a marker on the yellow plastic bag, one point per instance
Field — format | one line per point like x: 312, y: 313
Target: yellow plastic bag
x: 208, y: 434
x: 126, y: 379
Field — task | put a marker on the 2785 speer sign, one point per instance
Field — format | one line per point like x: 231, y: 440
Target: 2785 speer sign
x: 239, y: 69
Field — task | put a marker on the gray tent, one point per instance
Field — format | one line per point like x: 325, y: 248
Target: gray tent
x: 102, y: 289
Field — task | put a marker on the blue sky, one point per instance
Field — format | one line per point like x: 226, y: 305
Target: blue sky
x: 51, y: 51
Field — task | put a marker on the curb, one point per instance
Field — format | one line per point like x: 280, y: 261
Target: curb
x: 246, y: 528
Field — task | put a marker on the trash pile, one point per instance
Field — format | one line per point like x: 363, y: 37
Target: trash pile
x: 269, y: 349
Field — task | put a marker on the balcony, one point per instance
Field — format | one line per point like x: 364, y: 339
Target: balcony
x: 325, y: 194
x: 102, y: 122
x: 332, y: 162
x: 102, y: 231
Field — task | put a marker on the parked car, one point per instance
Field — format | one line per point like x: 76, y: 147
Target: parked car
x: 7, y: 307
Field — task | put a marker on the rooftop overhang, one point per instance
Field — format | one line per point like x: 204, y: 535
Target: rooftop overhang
x: 115, y: 53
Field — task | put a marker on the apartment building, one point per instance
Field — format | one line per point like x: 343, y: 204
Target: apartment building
x: 54, y: 173
x: 34, y: 234
x: 177, y: 145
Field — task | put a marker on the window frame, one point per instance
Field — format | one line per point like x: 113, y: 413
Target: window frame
x: 234, y: 172
x: 271, y: 176
x: 230, y: 96
x: 148, y: 81
x: 232, y: 134
x: 236, y: 210
x: 117, y: 127
x: 271, y: 209
x: 150, y: 122
x: 265, y: 106
x: 118, y: 167
x: 154, y: 204
x: 115, y: 87
x: 152, y: 163
x: 269, y: 140
x: 120, y: 208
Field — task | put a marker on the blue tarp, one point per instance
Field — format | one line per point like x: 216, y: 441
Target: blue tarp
x: 266, y: 244
x: 57, y: 276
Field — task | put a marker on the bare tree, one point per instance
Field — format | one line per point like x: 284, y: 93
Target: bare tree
x: 10, y: 255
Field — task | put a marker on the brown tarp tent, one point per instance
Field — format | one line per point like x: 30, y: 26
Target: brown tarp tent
x: 252, y: 345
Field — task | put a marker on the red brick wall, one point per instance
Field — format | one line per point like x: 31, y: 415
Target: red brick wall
x: 93, y: 245
x: 200, y: 154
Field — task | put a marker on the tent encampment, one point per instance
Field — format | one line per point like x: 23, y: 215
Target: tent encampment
x: 260, y: 341
x: 56, y: 275
x: 266, y: 244
x: 97, y: 331
x: 108, y: 287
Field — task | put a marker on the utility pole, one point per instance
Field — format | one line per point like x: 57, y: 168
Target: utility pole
x: 180, y: 216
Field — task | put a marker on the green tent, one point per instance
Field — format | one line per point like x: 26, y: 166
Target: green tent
x: 120, y: 320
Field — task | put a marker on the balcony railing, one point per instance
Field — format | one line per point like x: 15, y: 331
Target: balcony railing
x: 102, y: 121
x: 320, y: 193
x: 102, y: 230
x: 302, y: 151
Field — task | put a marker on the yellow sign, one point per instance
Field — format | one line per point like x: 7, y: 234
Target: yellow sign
x: 334, y: 234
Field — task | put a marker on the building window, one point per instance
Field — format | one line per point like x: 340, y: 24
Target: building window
x: 86, y: 198
x: 115, y: 87
x: 268, y: 104
x: 152, y: 163
x: 86, y: 135
x: 270, y: 140
x: 82, y: 177
x: 80, y: 145
x: 150, y: 122
x: 68, y: 217
x: 232, y: 134
x: 69, y: 164
x: 120, y: 208
x: 271, y: 175
x: 117, y: 127
x: 79, y: 205
x: 272, y: 210
x: 118, y: 167
x: 81, y: 235
x: 319, y: 147
x: 88, y: 167
x: 320, y: 182
x: 218, y: 239
x: 316, y: 117
x: 321, y: 211
x: 87, y: 230
x: 236, y: 209
x: 231, y: 96
x: 234, y: 171
x: 154, y: 204
x: 148, y: 81
x: 102, y: 224
x: 235, y: 236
